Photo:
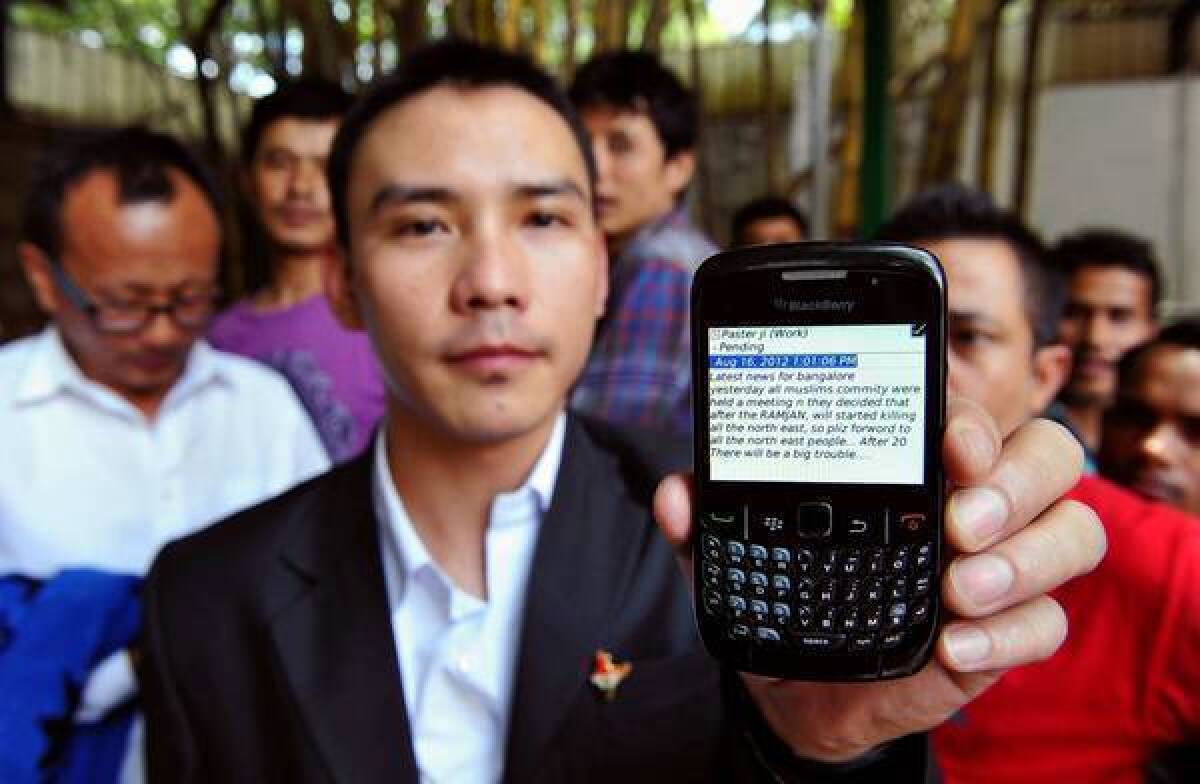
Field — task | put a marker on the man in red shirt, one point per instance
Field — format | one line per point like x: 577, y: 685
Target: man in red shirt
x: 1126, y: 684
x: 1151, y: 438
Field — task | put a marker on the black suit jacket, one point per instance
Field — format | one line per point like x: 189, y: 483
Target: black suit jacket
x: 269, y: 653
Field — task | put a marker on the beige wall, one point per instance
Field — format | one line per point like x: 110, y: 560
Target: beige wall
x: 1128, y: 156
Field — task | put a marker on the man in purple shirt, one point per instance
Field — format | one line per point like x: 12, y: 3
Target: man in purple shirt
x: 642, y: 122
x: 287, y: 323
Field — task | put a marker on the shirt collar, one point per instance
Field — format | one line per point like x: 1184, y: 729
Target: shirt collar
x: 204, y: 367
x: 512, y: 508
x: 50, y: 370
x: 675, y: 219
x: 53, y: 371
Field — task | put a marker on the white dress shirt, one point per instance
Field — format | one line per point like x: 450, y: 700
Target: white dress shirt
x: 457, y: 653
x: 87, y: 480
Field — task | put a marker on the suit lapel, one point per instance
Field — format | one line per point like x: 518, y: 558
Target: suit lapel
x: 567, y: 608
x: 334, y: 635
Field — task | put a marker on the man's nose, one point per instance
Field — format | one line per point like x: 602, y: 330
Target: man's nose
x: 1158, y: 444
x: 603, y: 159
x: 954, y: 372
x: 306, y: 177
x: 161, y: 331
x: 1096, y: 330
x: 495, y: 273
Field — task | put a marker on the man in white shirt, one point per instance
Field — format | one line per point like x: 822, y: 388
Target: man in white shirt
x: 485, y: 595
x: 122, y: 429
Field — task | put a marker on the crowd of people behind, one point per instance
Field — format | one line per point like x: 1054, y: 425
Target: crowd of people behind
x: 453, y: 262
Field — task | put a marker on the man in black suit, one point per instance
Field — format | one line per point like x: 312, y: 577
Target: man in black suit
x: 485, y: 594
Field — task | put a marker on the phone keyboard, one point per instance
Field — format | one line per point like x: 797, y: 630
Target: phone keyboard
x: 818, y: 599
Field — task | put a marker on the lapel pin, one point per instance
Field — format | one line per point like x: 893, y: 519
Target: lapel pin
x: 607, y: 674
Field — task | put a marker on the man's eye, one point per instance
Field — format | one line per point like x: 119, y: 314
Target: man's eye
x: 418, y: 228
x: 619, y: 144
x: 277, y: 161
x: 1190, y: 427
x: 544, y: 219
x: 123, y: 306
x: 969, y: 337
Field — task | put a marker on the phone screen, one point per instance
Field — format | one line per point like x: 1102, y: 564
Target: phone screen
x: 829, y: 404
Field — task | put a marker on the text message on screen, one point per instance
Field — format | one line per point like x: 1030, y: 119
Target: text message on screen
x: 829, y: 404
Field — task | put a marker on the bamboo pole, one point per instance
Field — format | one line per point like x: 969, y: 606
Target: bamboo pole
x: 1027, y: 114
x: 771, y: 159
x: 988, y: 115
x: 876, y: 192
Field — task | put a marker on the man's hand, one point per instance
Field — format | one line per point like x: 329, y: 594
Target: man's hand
x: 1016, y: 541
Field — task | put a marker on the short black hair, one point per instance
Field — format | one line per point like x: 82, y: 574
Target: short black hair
x: 1103, y: 247
x: 765, y: 208
x: 954, y: 211
x: 636, y: 81
x: 452, y: 62
x: 306, y: 99
x: 1184, y: 333
x: 137, y: 157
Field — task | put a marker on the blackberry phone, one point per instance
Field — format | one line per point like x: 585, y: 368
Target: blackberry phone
x: 819, y: 397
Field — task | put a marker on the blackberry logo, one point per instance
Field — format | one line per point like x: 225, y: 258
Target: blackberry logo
x: 814, y: 305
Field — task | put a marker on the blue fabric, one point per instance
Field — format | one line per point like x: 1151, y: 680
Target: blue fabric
x: 52, y: 633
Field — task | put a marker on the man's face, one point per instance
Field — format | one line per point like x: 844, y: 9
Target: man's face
x: 771, y: 231
x: 475, y: 261
x: 637, y: 183
x: 989, y: 340
x: 286, y: 183
x: 1109, y: 311
x: 1151, y: 440
x: 150, y: 253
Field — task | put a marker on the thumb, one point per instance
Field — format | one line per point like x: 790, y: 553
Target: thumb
x: 673, y: 513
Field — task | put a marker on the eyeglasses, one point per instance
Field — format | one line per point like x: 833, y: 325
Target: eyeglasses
x: 188, y: 311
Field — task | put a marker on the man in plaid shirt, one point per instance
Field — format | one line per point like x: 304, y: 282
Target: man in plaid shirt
x: 642, y: 122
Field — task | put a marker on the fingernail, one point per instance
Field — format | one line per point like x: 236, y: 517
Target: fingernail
x: 967, y: 645
x: 979, y: 511
x: 983, y: 578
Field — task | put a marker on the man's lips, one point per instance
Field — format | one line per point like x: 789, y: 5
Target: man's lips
x: 299, y: 216
x: 487, y: 360
x: 155, y: 363
x: 1093, y: 365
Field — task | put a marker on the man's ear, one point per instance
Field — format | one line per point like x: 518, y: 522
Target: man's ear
x: 337, y: 275
x: 37, y: 272
x: 1051, y: 366
x: 678, y: 170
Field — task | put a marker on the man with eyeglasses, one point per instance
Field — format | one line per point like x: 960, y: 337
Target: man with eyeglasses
x: 121, y: 428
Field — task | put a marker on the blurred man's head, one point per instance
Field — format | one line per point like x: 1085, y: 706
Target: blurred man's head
x: 120, y: 242
x: 284, y: 150
x: 768, y: 220
x: 1151, y: 438
x: 462, y: 189
x: 1004, y: 300
x: 1113, y: 288
x: 643, y: 123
